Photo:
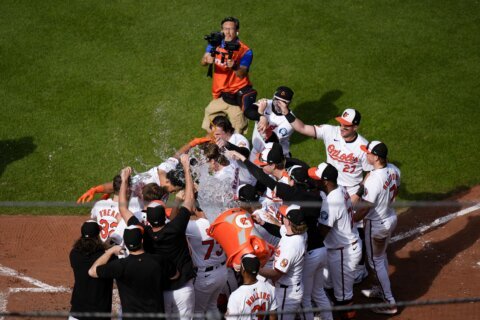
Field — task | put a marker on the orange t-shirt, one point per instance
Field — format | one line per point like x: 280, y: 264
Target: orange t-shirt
x: 225, y: 79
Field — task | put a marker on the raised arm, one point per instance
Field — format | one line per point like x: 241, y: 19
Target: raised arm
x: 122, y: 195
x: 189, y: 202
x: 297, y: 124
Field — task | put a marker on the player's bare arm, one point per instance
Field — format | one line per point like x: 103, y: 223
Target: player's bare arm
x: 362, y: 210
x: 103, y: 259
x: 272, y: 274
x: 189, y: 202
x: 297, y: 124
x: 122, y: 195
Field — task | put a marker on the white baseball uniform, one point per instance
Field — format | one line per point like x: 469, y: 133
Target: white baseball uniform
x: 346, y: 157
x: 151, y: 176
x: 251, y: 298
x: 108, y: 216
x: 344, y: 247
x: 244, y: 175
x: 209, y: 259
x: 277, y: 124
x: 381, y: 187
x: 289, y: 259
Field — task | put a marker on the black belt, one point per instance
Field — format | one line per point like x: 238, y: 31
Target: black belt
x: 341, y: 248
x: 284, y: 286
x: 211, y: 268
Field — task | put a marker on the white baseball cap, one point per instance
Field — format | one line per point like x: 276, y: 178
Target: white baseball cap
x: 349, y: 117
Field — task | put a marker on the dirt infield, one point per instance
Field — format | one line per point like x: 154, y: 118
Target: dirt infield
x: 441, y: 263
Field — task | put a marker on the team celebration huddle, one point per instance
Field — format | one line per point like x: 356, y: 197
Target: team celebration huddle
x: 243, y: 227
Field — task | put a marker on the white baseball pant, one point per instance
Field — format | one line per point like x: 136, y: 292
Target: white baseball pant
x: 341, y: 266
x: 315, y: 262
x: 180, y: 301
x: 289, y: 298
x: 377, y: 236
x: 208, y: 284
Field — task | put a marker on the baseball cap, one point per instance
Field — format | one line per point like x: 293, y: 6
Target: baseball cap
x: 298, y: 173
x: 247, y: 193
x: 156, y: 214
x: 283, y: 93
x: 272, y: 154
x: 132, y: 236
x: 293, y: 213
x: 250, y: 263
x: 349, y: 117
x: 377, y: 148
x: 90, y: 229
x: 324, y: 171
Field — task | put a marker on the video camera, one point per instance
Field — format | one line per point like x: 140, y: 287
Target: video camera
x: 214, y: 39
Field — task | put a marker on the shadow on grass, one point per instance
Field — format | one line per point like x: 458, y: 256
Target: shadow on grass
x: 317, y: 112
x: 405, y: 194
x: 15, y: 149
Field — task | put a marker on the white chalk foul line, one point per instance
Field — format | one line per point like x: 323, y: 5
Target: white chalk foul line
x: 435, y: 223
x: 42, y: 287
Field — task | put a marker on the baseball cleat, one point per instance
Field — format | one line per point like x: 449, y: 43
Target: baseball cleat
x: 374, y: 293
x: 385, y: 310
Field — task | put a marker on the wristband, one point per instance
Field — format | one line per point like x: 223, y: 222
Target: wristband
x: 290, y: 117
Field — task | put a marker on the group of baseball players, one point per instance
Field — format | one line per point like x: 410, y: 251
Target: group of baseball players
x: 150, y: 234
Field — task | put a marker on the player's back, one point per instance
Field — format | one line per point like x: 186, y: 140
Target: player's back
x: 381, y: 188
x: 337, y: 211
x: 252, y: 298
x: 204, y: 249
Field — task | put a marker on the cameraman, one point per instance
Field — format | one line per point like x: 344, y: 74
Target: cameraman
x: 231, y: 89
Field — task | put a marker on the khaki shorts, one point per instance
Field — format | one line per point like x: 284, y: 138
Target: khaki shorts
x: 234, y: 113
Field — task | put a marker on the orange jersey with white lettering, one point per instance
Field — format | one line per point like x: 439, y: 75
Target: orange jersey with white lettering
x: 225, y: 79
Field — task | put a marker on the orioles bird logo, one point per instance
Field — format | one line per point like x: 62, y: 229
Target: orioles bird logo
x: 345, y: 114
x: 284, y: 263
x: 282, y: 94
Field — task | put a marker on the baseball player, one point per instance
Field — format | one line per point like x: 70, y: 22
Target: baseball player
x: 342, y: 145
x: 253, y: 296
x: 344, y: 247
x: 169, y: 241
x: 107, y: 214
x: 164, y: 175
x: 381, y: 187
x: 209, y: 260
x: 271, y: 120
x: 272, y: 162
x: 288, y: 264
x: 225, y: 137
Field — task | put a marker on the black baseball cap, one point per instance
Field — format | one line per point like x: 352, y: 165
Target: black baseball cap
x: 156, y: 214
x: 377, y: 148
x: 293, y: 213
x: 247, y: 193
x: 90, y: 229
x: 132, y: 236
x: 324, y: 171
x: 350, y: 117
x: 250, y: 263
x: 298, y: 173
x: 283, y: 93
x: 272, y: 154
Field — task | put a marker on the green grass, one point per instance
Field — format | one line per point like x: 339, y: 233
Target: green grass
x: 87, y: 87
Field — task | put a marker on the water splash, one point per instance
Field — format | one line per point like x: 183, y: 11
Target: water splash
x: 214, y: 195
